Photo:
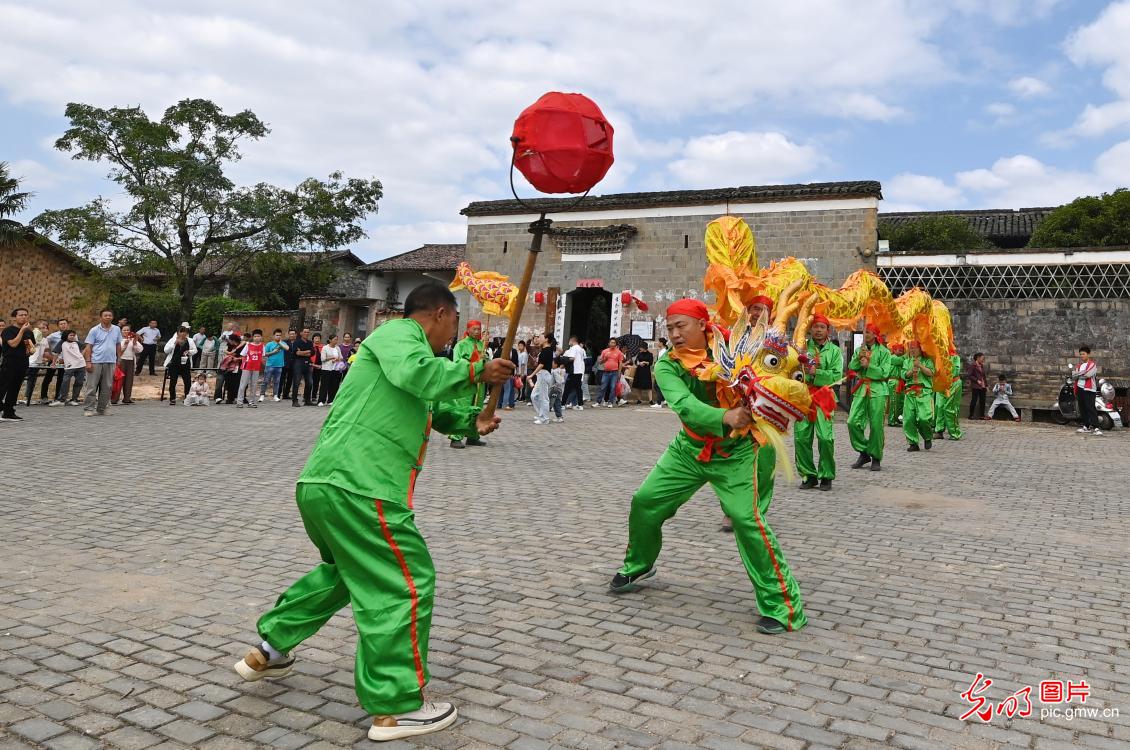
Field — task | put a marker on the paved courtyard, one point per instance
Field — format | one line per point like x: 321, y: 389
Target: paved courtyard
x: 136, y: 552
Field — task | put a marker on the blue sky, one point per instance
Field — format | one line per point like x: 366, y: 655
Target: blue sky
x: 959, y: 104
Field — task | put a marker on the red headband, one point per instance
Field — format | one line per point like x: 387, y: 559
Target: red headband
x: 898, y: 348
x: 818, y: 318
x: 691, y: 308
x: 470, y: 323
x: 874, y: 329
x: 761, y: 298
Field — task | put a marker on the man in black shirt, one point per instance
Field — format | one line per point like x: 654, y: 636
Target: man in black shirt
x: 17, y: 343
x: 541, y: 377
x: 286, y: 377
x: 303, y: 350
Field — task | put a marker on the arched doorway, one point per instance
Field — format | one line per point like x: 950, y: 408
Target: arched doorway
x: 589, y: 315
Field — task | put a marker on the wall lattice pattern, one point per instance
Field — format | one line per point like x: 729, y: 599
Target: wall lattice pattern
x: 592, y: 240
x: 1082, y: 281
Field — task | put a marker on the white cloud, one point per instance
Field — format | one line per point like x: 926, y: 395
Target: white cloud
x: 1027, y: 87
x: 859, y: 106
x: 423, y: 95
x: 1002, y: 112
x: 1103, y: 43
x: 735, y: 158
x: 1023, y: 180
x: 917, y: 192
x: 1008, y: 12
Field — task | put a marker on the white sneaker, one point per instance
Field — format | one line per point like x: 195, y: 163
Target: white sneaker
x: 277, y: 398
x: 656, y: 406
x: 257, y: 666
x: 57, y: 403
x: 431, y: 717
x: 321, y: 403
x: 558, y: 420
x: 622, y: 402
x: 263, y: 398
x: 1097, y: 431
x: 541, y: 421
x: 578, y: 408
x: 219, y: 400
x: 73, y: 403
x: 1083, y: 430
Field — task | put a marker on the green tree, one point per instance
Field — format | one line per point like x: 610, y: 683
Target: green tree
x: 1087, y: 222
x: 186, y: 218
x: 210, y: 311
x: 276, y: 280
x: 932, y: 233
x: 12, y: 201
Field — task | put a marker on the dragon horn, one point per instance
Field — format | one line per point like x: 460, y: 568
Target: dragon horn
x: 803, y: 321
x: 786, y: 307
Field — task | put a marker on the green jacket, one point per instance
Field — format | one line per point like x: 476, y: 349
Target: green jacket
x: 831, y: 367
x: 696, y: 404
x: 464, y: 350
x: 925, y: 376
x: 374, y: 439
x: 897, y: 362
x: 877, y: 372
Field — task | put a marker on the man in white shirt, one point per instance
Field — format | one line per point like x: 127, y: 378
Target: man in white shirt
x: 576, y: 353
x: 198, y: 338
x: 149, y: 336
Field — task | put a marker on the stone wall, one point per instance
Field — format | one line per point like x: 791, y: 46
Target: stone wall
x: 266, y: 321
x: 349, y: 282
x: 1033, y: 340
x: 50, y: 285
x: 666, y: 260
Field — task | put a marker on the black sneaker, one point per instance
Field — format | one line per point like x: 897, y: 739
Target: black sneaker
x: 295, y: 403
x: 862, y: 461
x: 809, y: 483
x: 929, y: 444
x: 13, y: 417
x: 769, y: 626
x: 457, y: 444
x: 621, y: 584
x: 912, y: 448
x: 939, y: 435
x: 825, y: 485
x: 875, y: 465
x: 477, y: 443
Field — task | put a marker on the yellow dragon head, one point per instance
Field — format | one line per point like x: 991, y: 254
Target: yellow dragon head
x: 763, y: 369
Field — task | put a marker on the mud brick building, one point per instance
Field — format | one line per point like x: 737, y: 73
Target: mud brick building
x: 51, y: 282
x: 651, y: 245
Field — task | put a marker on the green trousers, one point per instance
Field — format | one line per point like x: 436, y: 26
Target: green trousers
x: 374, y: 559
x: 865, y: 423
x: 918, y: 417
x: 947, y: 411
x: 744, y: 485
x: 894, y: 410
x: 826, y: 443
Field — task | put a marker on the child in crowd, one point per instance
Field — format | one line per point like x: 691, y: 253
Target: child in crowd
x: 198, y: 393
x: 227, y: 379
x: 251, y: 364
x: 557, y: 387
x: 1001, y: 393
x: 74, y: 369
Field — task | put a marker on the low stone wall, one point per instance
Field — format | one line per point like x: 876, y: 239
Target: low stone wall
x: 1033, y: 340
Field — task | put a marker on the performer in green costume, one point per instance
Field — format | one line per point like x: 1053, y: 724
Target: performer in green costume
x: 471, y: 349
x: 740, y: 472
x: 948, y: 404
x: 896, y: 384
x: 827, y: 369
x: 918, y: 403
x: 355, y: 498
x: 872, y: 365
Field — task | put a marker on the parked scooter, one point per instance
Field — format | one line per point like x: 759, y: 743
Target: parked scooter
x: 1068, y: 405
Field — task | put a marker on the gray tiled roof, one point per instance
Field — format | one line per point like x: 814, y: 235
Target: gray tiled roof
x: 748, y: 194
x: 425, y: 258
x: 993, y: 223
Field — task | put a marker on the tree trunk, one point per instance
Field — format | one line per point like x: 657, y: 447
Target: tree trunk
x: 188, y: 297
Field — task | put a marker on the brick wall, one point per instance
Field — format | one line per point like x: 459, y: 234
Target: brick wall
x: 667, y: 258
x: 50, y: 285
x: 1032, y: 340
x: 266, y: 322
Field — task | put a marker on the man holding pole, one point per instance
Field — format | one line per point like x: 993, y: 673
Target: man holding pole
x: 355, y: 498
x: 470, y: 350
x: 827, y: 369
x: 872, y: 365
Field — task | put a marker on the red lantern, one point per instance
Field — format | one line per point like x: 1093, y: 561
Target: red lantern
x: 641, y: 305
x: 625, y: 298
x: 539, y: 298
x: 562, y: 143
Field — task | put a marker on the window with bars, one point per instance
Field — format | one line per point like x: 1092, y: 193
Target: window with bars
x: 1082, y: 281
x: 592, y: 240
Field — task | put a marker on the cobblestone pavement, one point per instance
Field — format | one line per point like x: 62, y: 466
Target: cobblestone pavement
x: 137, y: 550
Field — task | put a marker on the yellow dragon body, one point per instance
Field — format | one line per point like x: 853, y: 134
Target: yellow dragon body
x: 492, y: 290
